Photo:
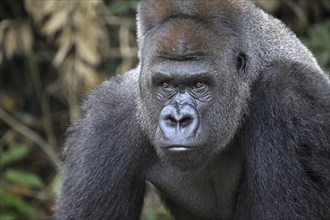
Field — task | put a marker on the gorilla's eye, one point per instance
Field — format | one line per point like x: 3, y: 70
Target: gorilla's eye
x: 166, y: 85
x: 199, y: 86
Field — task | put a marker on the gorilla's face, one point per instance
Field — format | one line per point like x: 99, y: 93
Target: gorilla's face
x: 191, y: 93
x: 184, y: 90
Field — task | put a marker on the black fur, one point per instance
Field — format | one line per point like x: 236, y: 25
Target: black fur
x: 286, y: 144
x: 246, y: 137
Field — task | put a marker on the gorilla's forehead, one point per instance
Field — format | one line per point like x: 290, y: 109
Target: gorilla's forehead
x: 181, y: 38
x: 188, y: 39
x: 178, y: 69
x: 152, y: 13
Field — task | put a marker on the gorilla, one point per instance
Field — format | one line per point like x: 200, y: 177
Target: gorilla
x: 227, y: 115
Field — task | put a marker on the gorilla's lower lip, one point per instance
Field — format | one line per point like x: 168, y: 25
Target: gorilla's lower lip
x: 178, y: 148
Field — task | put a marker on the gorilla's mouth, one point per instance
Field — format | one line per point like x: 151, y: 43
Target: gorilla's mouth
x: 181, y: 145
x: 179, y: 148
x: 185, y: 157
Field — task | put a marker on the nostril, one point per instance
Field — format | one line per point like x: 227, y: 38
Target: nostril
x: 179, y: 120
x: 171, y: 121
x: 185, y: 121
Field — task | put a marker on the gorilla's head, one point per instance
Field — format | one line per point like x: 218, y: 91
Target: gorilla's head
x: 194, y: 81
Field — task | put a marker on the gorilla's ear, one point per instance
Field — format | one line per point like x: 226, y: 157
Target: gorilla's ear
x: 241, y: 62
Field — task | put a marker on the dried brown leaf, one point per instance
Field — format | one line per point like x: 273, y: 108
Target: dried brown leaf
x: 49, y: 6
x: 35, y: 8
x: 10, y: 42
x: 87, y: 49
x: 87, y: 73
x: 64, y: 47
x: 26, y: 38
x: 3, y: 27
x: 58, y: 21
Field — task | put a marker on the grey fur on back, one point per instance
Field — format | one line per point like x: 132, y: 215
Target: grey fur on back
x: 274, y: 40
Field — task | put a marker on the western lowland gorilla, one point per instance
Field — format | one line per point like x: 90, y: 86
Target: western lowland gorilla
x: 227, y: 115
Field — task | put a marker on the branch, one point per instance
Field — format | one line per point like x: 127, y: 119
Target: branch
x: 32, y: 135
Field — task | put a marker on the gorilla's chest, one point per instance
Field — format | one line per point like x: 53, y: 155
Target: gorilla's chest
x: 206, y: 194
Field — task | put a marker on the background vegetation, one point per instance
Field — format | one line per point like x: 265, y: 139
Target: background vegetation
x: 52, y: 53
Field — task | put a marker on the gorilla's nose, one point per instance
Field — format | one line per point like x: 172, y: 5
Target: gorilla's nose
x: 179, y: 120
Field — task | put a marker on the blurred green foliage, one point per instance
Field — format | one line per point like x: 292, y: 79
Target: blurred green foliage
x: 318, y: 41
x: 155, y: 213
x: 12, y: 205
x: 123, y: 7
x: 14, y: 154
x: 326, y: 3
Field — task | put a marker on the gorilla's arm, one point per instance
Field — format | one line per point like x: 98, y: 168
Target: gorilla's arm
x: 287, y: 139
x: 103, y: 172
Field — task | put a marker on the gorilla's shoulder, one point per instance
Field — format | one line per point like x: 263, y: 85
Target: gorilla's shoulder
x: 287, y: 76
x: 119, y: 91
x: 294, y: 89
